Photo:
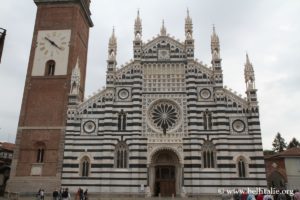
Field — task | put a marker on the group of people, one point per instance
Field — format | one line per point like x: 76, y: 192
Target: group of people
x: 80, y: 195
x: 62, y: 194
x: 281, y: 195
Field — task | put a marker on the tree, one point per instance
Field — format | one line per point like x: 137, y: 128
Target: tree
x: 279, y: 143
x: 294, y: 143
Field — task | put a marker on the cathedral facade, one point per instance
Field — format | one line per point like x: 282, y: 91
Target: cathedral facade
x: 164, y: 124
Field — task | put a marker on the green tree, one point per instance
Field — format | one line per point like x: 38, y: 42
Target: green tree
x: 279, y: 143
x: 294, y: 143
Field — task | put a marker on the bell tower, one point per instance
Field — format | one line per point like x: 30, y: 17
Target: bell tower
x: 60, y: 39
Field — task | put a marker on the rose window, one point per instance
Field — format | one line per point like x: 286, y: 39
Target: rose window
x: 164, y: 115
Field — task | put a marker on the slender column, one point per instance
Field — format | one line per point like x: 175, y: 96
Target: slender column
x: 151, y: 179
x: 178, y: 179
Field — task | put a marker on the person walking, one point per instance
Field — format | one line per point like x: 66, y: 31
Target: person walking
x: 81, y: 194
x: 55, y: 194
x: 42, y: 194
x: 66, y: 195
x: 85, y: 194
x: 38, y: 194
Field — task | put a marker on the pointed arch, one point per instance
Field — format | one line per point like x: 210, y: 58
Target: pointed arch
x: 208, y: 155
x: 121, y: 155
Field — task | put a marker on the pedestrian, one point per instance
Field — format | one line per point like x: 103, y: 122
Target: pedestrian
x: 260, y: 196
x: 77, y: 196
x: 226, y: 196
x: 81, y: 194
x: 251, y: 196
x: 55, y: 194
x: 297, y: 195
x: 38, y: 194
x: 42, y: 194
x: 60, y: 193
x: 281, y: 196
x: 237, y: 195
x: 85, y: 194
x: 244, y: 195
x: 268, y: 197
x: 66, y: 195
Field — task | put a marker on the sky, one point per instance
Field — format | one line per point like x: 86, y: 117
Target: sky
x: 268, y: 30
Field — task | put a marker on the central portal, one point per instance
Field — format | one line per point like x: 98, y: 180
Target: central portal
x: 165, y: 181
x: 165, y: 174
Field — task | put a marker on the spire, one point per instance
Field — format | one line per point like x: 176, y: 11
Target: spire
x: 75, y: 79
x: 188, y: 26
x: 215, y: 43
x: 112, y: 46
x: 215, y: 50
x: 250, y: 83
x: 138, y: 27
x: 163, y: 30
x: 249, y: 74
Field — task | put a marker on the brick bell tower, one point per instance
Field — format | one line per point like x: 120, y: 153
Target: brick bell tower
x: 60, y: 39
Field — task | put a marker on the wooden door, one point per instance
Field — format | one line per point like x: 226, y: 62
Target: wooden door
x: 165, y: 181
x: 167, y: 188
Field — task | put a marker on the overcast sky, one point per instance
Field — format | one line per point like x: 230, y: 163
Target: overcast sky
x: 269, y: 30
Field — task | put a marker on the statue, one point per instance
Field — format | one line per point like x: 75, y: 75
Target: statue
x: 164, y: 127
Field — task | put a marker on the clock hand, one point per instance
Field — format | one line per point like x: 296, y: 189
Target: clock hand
x: 52, y: 43
x: 57, y: 46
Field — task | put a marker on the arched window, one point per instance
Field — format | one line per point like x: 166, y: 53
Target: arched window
x: 40, y: 152
x: 122, y: 121
x: 208, y: 155
x: 40, y: 155
x: 85, y: 167
x: 241, y: 167
x: 50, y: 68
x: 121, y: 155
x: 207, y: 120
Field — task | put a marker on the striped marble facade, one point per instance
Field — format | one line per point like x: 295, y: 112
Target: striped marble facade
x: 209, y: 119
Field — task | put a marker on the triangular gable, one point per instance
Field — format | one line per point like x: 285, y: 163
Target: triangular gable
x: 163, y: 48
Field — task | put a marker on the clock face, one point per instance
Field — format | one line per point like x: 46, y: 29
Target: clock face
x: 52, y: 45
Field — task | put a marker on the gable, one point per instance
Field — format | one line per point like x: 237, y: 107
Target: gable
x: 163, y: 48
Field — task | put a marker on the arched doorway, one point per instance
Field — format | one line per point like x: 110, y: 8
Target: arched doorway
x: 165, y: 174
